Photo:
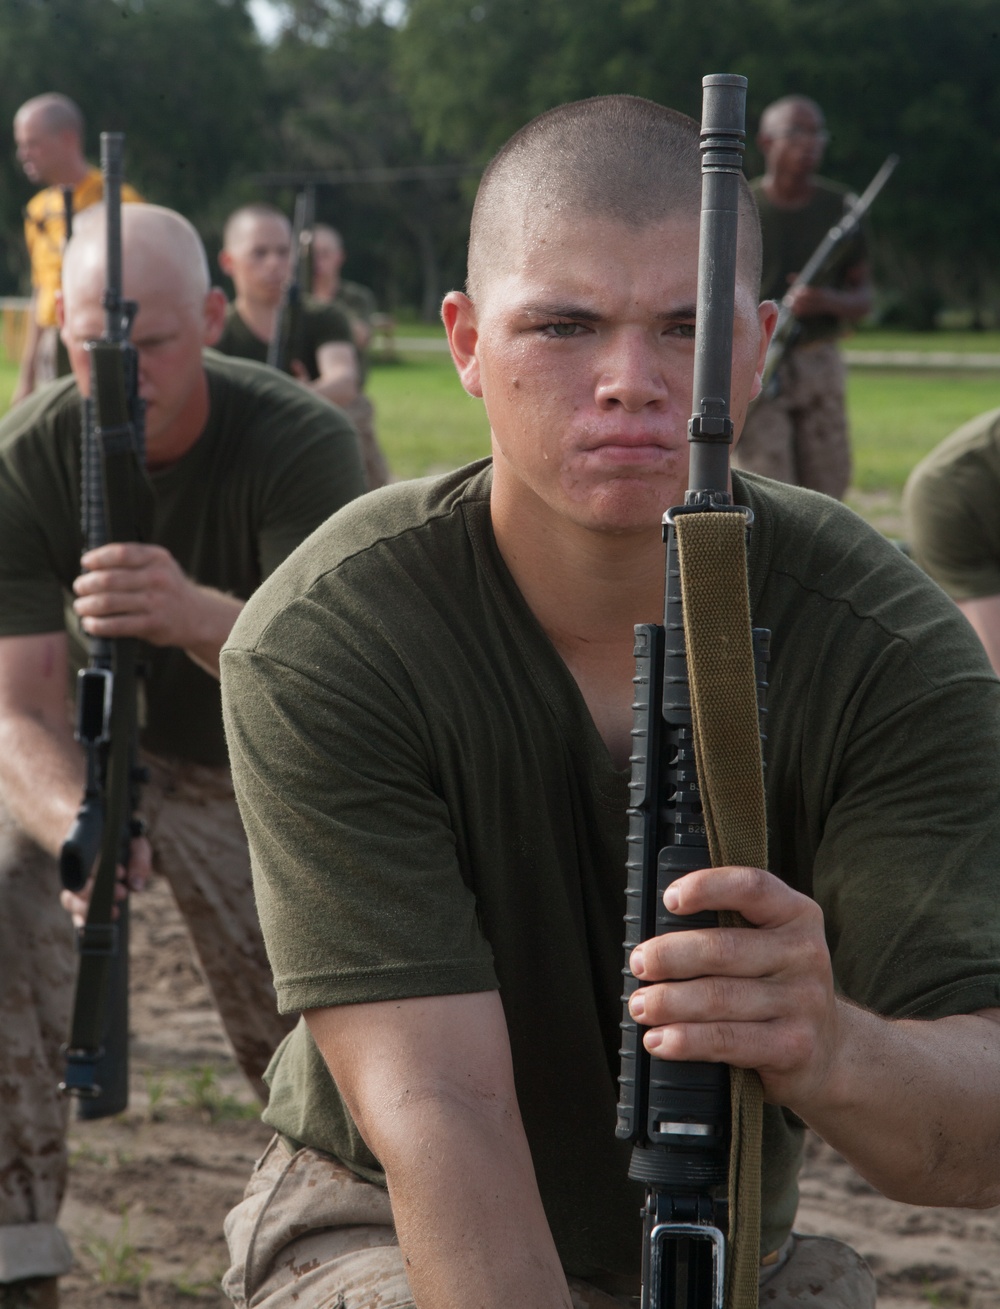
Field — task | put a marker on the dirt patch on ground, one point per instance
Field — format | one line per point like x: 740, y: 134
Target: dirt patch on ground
x: 149, y: 1190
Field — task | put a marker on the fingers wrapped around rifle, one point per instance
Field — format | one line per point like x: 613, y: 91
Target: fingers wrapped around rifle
x: 759, y: 998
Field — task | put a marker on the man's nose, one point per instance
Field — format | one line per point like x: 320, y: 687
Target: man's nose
x: 632, y: 374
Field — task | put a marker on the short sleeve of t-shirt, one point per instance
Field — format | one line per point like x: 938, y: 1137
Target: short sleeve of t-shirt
x: 951, y: 503
x: 343, y: 725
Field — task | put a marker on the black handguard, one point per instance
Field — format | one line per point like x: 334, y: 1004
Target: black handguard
x: 677, y: 1115
x: 115, y: 506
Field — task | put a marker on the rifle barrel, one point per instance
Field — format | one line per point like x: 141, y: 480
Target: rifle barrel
x: 723, y: 134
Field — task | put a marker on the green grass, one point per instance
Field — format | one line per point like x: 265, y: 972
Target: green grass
x: 876, y: 338
x: 897, y: 418
x: 425, y: 421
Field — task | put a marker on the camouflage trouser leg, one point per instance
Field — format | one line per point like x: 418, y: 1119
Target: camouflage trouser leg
x: 199, y: 845
x: 800, y: 436
x: 309, y: 1232
x: 37, y: 967
x: 362, y: 415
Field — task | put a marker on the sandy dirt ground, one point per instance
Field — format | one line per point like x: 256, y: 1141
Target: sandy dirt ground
x: 149, y: 1189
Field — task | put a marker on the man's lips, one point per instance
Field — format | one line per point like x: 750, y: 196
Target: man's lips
x: 631, y: 446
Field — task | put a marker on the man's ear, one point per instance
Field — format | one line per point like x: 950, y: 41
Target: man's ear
x: 767, y: 317
x: 60, y: 311
x: 460, y: 322
x: 215, y: 315
x: 226, y: 262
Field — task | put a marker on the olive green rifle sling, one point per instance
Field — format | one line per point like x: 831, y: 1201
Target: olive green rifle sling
x: 726, y: 726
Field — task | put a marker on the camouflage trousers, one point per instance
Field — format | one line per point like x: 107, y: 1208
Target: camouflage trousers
x: 309, y: 1232
x: 199, y: 846
x: 800, y: 435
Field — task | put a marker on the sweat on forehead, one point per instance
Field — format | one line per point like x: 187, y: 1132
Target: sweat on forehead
x: 614, y: 157
x: 159, y: 248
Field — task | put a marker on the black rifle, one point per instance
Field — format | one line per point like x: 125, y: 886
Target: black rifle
x: 788, y: 327
x: 286, y: 343
x: 114, y: 501
x: 677, y: 1115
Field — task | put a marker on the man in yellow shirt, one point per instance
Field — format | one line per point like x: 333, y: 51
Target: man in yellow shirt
x: 48, y: 131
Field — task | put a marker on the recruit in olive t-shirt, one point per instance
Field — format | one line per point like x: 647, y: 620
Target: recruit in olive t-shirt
x: 951, y: 504
x: 431, y: 810
x: 271, y: 464
x: 790, y: 236
x: 319, y: 324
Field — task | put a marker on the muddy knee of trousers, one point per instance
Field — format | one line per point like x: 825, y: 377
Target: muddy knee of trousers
x: 819, y: 1272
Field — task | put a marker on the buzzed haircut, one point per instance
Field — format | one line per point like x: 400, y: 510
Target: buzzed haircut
x: 58, y: 113
x: 616, y: 157
x: 330, y: 231
x: 777, y: 109
x: 256, y: 210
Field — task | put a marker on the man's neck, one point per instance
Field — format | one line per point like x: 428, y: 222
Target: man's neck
x: 72, y: 173
x: 184, y: 430
x: 587, y: 589
x: 260, y: 318
x: 789, y: 191
x: 327, y: 288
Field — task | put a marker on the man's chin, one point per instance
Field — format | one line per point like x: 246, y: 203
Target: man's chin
x: 626, y: 507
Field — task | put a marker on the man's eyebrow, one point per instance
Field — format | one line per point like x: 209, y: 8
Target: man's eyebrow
x: 539, y: 309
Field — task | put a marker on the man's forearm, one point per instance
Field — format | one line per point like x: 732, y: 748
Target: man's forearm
x: 212, y: 623
x: 41, y: 777
x: 984, y: 615
x: 29, y: 358
x: 341, y: 390
x: 468, y: 1215
x: 913, y: 1105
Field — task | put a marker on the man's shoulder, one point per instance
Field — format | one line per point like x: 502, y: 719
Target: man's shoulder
x: 42, y: 202
x: 374, y: 547
x: 818, y: 569
x: 327, y: 322
x: 262, y: 393
x: 358, y: 299
x: 971, y: 450
x: 48, y: 412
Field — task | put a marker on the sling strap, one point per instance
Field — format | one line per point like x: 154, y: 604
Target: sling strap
x: 713, y: 566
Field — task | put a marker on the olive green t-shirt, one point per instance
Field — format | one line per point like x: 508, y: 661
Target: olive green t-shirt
x: 271, y: 464
x: 952, y: 506
x: 791, y: 236
x: 431, y: 810
x: 317, y: 325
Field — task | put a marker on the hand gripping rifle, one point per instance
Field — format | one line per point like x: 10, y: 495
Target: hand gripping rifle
x: 788, y: 327
x: 700, y: 1251
x: 115, y: 506
x: 286, y: 343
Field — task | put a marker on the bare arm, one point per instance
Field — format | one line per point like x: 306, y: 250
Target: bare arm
x: 337, y: 362
x: 984, y: 615
x: 430, y: 1085
x: 41, y: 768
x: 29, y: 356
x: 912, y: 1104
x: 141, y: 590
